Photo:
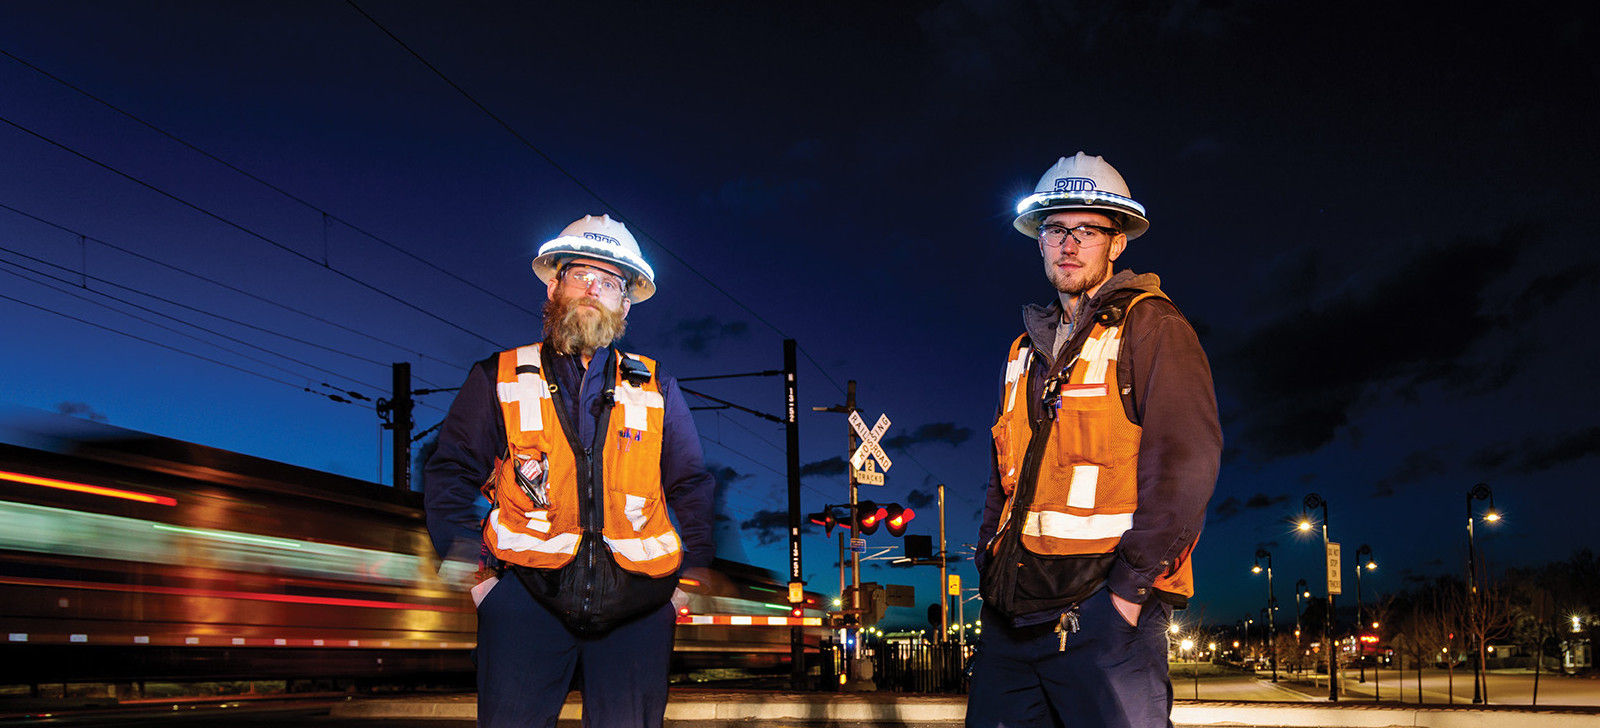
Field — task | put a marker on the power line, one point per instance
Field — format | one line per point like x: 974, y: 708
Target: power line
x: 164, y: 327
x: 174, y: 318
x: 193, y: 309
x: 268, y: 185
x: 248, y: 231
x: 639, y: 230
x: 229, y: 287
x: 155, y: 343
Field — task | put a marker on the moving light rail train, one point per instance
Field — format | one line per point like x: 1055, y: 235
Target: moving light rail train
x: 125, y: 556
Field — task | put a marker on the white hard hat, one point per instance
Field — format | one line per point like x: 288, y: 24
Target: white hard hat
x: 600, y: 238
x: 1081, y: 182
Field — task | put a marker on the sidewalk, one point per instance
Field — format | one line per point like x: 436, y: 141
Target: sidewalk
x: 717, y: 707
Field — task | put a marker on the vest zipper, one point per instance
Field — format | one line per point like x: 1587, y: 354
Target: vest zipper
x: 591, y: 496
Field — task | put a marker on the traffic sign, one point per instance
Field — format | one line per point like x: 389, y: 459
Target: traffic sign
x: 858, y: 545
x: 869, y: 441
x: 867, y: 477
x: 1335, y: 570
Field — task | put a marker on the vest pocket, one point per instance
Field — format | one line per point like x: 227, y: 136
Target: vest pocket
x: 1082, y: 436
x: 1005, y: 460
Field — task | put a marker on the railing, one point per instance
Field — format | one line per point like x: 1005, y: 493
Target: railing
x: 906, y: 667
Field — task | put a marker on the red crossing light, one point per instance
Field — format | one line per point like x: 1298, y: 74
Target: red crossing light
x: 868, y: 516
x: 899, y: 518
x: 824, y: 519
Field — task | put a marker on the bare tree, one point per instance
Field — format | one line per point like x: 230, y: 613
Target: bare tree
x: 1486, y: 615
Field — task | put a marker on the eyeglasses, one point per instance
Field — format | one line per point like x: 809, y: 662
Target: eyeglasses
x: 1086, y: 235
x: 586, y: 276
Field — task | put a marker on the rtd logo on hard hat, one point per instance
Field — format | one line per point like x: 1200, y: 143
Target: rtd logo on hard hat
x: 1081, y: 182
x: 599, y: 238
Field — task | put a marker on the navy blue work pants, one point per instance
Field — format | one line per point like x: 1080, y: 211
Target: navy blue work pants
x: 527, y: 658
x: 1111, y: 674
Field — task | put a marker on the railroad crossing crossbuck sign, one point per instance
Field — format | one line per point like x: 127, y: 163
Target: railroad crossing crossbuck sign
x: 869, y: 446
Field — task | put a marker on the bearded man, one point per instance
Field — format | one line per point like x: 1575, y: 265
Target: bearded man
x: 1106, y: 449
x: 597, y: 494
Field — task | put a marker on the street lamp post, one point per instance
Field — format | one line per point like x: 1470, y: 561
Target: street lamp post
x: 1299, y: 646
x: 1313, y: 501
x: 1272, y: 606
x: 1361, y: 624
x: 1480, y: 491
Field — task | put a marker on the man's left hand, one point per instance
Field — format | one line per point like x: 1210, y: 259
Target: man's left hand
x: 1128, y: 610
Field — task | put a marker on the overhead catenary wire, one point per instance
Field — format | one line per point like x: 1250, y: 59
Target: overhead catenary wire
x: 84, y: 286
x: 152, y: 342
x: 275, y: 188
x: 249, y: 232
x: 635, y: 226
x: 71, y: 292
x: 228, y: 287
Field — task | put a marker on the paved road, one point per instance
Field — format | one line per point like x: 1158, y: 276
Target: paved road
x: 1505, y: 688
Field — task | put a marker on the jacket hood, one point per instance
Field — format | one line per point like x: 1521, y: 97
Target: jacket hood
x: 1041, y: 321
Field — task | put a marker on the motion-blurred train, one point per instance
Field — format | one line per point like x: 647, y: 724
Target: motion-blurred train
x: 125, y: 556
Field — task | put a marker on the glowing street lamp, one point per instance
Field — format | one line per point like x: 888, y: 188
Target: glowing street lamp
x: 1272, y: 610
x: 1367, y: 565
x: 1313, y: 501
x: 1480, y: 491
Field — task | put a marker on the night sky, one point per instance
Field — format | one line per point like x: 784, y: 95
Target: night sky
x: 1381, y: 222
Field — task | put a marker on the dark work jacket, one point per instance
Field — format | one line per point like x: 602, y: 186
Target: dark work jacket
x: 1180, y: 447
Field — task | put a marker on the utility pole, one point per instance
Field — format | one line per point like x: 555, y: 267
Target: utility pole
x: 944, y: 575
x: 791, y: 428
x: 855, y: 551
x: 400, y: 424
x: 791, y: 425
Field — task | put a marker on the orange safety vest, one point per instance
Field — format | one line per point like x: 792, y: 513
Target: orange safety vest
x: 1088, y: 484
x: 535, y: 520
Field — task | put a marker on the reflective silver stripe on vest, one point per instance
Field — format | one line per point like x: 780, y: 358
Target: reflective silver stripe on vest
x: 640, y: 550
x: 1014, y: 370
x: 1054, y: 524
x: 527, y: 391
x: 507, y: 540
x: 1098, y: 353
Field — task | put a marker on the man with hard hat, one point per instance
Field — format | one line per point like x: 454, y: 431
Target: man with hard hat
x: 1106, y: 449
x: 589, y: 465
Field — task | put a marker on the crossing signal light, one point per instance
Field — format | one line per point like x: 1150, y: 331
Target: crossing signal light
x: 868, y: 516
x: 897, y: 519
x: 824, y: 519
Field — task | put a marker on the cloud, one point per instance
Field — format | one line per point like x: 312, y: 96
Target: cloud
x: 698, y: 335
x: 724, y: 476
x: 920, y: 499
x: 831, y: 466
x: 1232, y: 506
x: 769, y: 526
x: 1299, y: 377
x: 80, y: 409
x: 945, y: 432
x: 1561, y: 450
x: 1545, y: 290
x: 1534, y: 454
x: 1416, y: 466
x: 1262, y: 500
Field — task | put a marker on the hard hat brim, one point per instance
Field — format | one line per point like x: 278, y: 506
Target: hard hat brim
x: 551, y: 255
x: 1034, y: 208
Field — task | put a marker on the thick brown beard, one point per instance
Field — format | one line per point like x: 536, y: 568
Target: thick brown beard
x: 571, y: 331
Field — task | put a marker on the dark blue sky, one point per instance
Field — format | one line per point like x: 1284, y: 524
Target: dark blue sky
x: 1380, y: 221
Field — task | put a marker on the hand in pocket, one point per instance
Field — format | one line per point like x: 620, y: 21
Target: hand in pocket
x: 482, y: 589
